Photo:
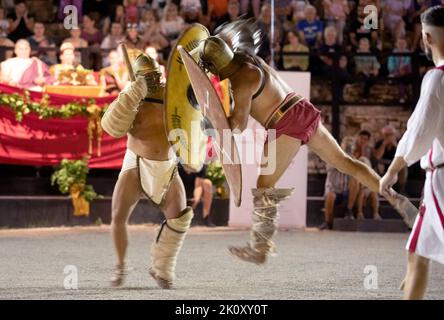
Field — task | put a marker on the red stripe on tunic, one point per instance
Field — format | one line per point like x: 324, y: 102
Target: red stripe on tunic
x: 414, y: 241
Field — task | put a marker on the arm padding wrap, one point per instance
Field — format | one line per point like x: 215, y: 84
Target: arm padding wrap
x: 121, y: 113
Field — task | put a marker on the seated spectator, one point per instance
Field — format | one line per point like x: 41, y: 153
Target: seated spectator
x: 359, y: 31
x: 151, y: 31
x: 192, y: 14
x: 384, y: 153
x: 217, y: 9
x: 310, y: 29
x: 394, y: 13
x: 116, y: 37
x: 24, y: 71
x: 366, y: 195
x: 400, y: 66
x: 233, y: 13
x: 255, y: 7
x: 336, y: 12
x: 115, y: 77
x: 4, y: 23
x: 77, y: 42
x: 283, y: 10
x: 133, y: 40
x: 20, y: 22
x: 67, y: 62
x: 75, y: 38
x: 152, y: 52
x: 131, y: 11
x: 297, y: 63
x: 336, y: 190
x: 142, y: 7
x: 264, y: 23
x: 117, y: 16
x: 5, y: 42
x: 330, y: 49
x: 361, y: 149
x: 203, y: 192
x: 48, y: 52
x: 298, y: 10
x: 39, y: 40
x: 90, y: 33
x: 419, y: 6
x: 366, y: 65
x: 171, y: 24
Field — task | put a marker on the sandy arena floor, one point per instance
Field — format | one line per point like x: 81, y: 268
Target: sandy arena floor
x: 310, y: 265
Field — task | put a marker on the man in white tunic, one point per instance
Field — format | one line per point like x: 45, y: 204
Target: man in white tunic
x: 424, y: 139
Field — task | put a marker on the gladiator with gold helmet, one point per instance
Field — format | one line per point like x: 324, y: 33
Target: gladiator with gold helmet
x: 291, y: 121
x: 149, y: 171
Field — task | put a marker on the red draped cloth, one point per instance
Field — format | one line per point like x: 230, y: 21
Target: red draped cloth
x: 45, y: 142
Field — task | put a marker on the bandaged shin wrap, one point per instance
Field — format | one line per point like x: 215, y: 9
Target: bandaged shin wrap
x: 265, y: 216
x: 166, y: 246
x: 121, y: 113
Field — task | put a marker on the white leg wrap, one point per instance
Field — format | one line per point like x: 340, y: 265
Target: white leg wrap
x: 166, y: 246
x: 265, y: 216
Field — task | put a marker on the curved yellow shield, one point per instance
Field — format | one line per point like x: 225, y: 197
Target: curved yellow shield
x: 183, y: 116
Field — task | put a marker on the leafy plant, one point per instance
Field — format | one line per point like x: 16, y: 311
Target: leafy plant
x: 74, y: 172
x: 215, y: 173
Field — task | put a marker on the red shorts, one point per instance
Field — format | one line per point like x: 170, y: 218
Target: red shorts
x: 300, y: 122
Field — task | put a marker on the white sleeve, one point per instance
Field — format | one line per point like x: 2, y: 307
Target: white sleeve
x: 426, y: 120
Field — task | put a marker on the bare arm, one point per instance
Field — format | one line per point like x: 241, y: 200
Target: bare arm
x: 243, y: 92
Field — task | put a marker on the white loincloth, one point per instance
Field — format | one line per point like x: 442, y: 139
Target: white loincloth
x: 155, y: 176
x: 427, y: 236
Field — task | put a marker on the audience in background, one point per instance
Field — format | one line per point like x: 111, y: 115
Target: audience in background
x: 295, y: 62
x: 90, y: 33
x: 332, y: 32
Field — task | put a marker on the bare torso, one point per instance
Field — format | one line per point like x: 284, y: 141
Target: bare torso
x: 147, y: 137
x: 274, y: 92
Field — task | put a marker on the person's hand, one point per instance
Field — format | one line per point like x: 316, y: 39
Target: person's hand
x: 386, y: 183
x: 39, y: 81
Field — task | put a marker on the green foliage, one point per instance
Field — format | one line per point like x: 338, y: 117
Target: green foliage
x: 72, y: 172
x: 216, y: 174
x: 22, y: 104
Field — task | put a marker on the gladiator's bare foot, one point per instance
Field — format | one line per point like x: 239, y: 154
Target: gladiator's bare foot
x: 162, y: 283
x: 248, y: 254
x: 118, y: 277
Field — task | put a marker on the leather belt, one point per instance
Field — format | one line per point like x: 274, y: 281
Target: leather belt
x: 282, y: 110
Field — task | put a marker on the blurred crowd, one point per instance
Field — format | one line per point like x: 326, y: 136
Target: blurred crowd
x: 322, y: 36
